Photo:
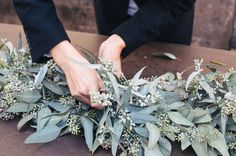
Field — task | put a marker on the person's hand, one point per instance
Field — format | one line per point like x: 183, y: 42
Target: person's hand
x: 111, y: 50
x: 81, y: 81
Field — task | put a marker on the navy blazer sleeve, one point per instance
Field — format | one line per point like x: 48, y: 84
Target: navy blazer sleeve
x: 41, y: 25
x: 150, y: 21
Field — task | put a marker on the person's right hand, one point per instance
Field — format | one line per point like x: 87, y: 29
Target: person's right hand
x: 81, y: 81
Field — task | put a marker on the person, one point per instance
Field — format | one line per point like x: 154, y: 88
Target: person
x: 129, y: 24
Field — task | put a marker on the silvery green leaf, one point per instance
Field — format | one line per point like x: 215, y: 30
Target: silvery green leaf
x: 48, y: 134
x: 200, y: 148
x: 165, y: 55
x: 65, y: 131
x: 218, y: 142
x: 96, y: 144
x: 28, y: 96
x: 126, y: 97
x: 138, y: 75
x: 154, y: 134
x: 20, y: 45
x: 4, y: 72
x: 58, y: 106
x: 118, y: 129
x: 191, y: 78
x: 185, y: 143
x: 10, y: 46
x: 40, y: 76
x: 18, y: 108
x: 114, y: 85
x: 142, y: 131
x: 149, y: 109
x: 24, y: 121
x: 43, y: 117
x: 208, y: 89
x: 54, y: 87
x: 200, y: 116
x: 104, y: 117
x: 54, y: 120
x: 169, y: 97
x: 137, y: 117
x: 92, y: 58
x: 177, y: 118
x: 165, y: 146
x: 211, y: 152
x: 234, y: 118
x: 176, y: 105
x: 88, y: 131
x: 224, y: 119
x: 152, y: 151
x: 171, y: 136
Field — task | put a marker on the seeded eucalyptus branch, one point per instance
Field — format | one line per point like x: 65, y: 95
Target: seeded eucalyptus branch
x: 140, y: 116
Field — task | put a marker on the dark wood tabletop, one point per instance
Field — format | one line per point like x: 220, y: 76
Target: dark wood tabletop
x: 12, y: 141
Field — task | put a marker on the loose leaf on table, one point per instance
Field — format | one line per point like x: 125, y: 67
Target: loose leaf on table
x: 40, y: 76
x: 28, y: 96
x: 118, y: 129
x: 154, y: 134
x: 177, y: 118
x: 88, y: 131
x: 19, y: 45
x: 165, y: 55
x: 48, y: 134
x: 54, y: 87
x: 24, y: 121
x: 218, y: 63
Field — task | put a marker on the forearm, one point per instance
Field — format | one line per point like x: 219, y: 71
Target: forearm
x: 41, y: 25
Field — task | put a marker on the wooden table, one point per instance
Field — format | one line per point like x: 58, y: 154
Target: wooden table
x: 12, y: 141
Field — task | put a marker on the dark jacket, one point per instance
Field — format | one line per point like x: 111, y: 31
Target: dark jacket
x: 154, y: 20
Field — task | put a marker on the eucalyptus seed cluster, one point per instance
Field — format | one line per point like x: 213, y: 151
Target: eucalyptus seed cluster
x: 229, y: 105
x: 73, y: 125
x: 67, y: 100
x: 197, y: 64
x: 194, y: 134
x: 107, y: 66
x: 166, y: 126
x: 131, y: 142
x: 105, y: 99
x: 124, y: 116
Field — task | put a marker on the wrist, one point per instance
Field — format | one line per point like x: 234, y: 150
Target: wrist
x: 117, y: 40
x: 62, y: 53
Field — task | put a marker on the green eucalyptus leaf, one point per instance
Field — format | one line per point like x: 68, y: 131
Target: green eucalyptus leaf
x: 43, y: 117
x: 149, y: 109
x: 234, y: 118
x: 218, y: 142
x: 200, y: 116
x: 40, y: 76
x: 177, y: 118
x: 114, y: 85
x: 58, y: 106
x: 48, y: 134
x: 142, y: 131
x: 165, y: 55
x: 191, y: 78
x: 200, y: 148
x: 137, y: 117
x: 185, y: 143
x: 224, y: 119
x: 211, y: 152
x: 18, y: 108
x: 24, y: 121
x: 165, y: 146
x: 28, y: 96
x: 154, y: 134
x: 138, y: 75
x: 176, y: 105
x: 118, y: 129
x: 208, y: 89
x: 152, y: 151
x: 88, y: 131
x: 54, y: 87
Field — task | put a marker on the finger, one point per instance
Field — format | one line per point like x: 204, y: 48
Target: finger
x: 83, y: 99
x: 97, y: 106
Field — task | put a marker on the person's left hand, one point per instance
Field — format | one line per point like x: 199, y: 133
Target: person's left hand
x: 111, y: 50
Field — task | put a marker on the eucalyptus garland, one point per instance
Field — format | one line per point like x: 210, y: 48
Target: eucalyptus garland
x: 140, y: 116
